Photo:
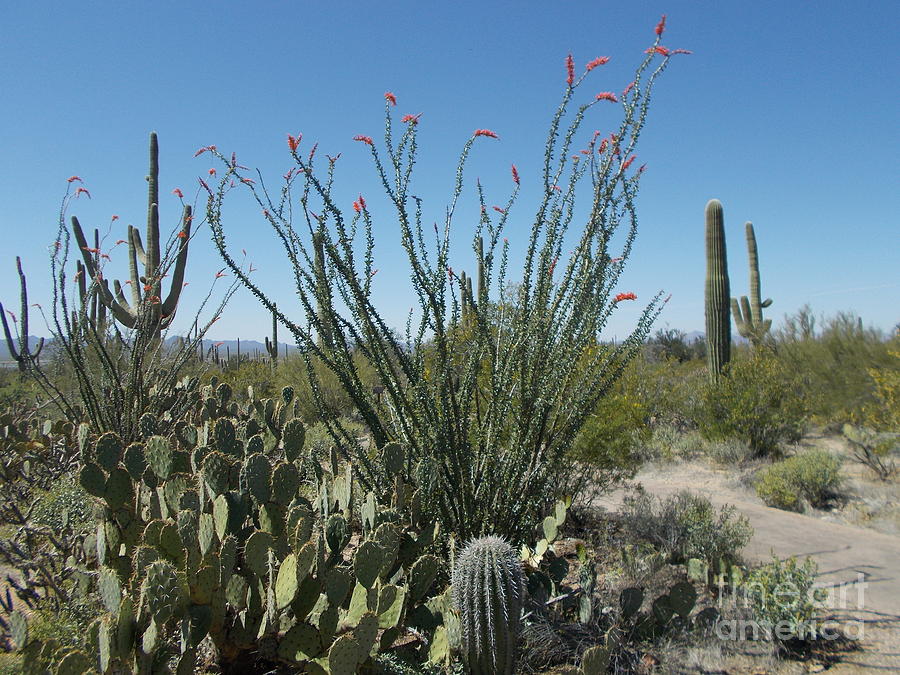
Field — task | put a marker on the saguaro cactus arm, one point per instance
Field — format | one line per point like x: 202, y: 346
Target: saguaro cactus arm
x: 149, y: 257
x: 23, y: 356
x: 748, y: 314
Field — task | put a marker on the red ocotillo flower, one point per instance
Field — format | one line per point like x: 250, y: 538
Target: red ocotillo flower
x: 82, y: 191
x: 599, y: 61
x: 212, y: 172
x: 390, y: 97
x: 114, y: 218
x: 628, y: 162
x: 208, y: 148
x: 499, y: 210
x: 625, y: 296
x: 412, y: 119
x: 72, y: 179
x: 661, y: 26
x: 362, y: 202
x: 515, y: 174
x: 570, y: 70
x: 178, y: 193
x: 221, y: 273
x: 356, y: 206
x: 485, y: 132
x: 294, y: 141
x: 182, y: 235
x: 607, y: 96
x: 364, y: 139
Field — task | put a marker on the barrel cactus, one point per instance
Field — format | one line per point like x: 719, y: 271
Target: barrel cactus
x: 488, y: 593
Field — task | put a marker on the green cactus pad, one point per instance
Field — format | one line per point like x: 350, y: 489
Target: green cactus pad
x: 236, y: 592
x: 388, y: 537
x: 18, y: 629
x: 159, y: 456
x: 271, y: 519
x: 110, y: 590
x: 199, y: 620
x: 300, y: 643
x: 338, y: 583
x: 293, y: 437
x: 287, y: 583
x: 92, y: 479
x: 256, y: 553
x: 134, y: 461
x: 630, y: 600
x: 390, y: 605
x: 682, y: 598
x: 75, y: 663
x: 337, y: 533
x: 108, y: 450
x: 173, y: 488
x: 119, y: 489
x: 221, y: 516
x: 595, y: 661
x: 307, y: 596
x: 256, y: 475
x: 285, y: 483
x: 344, y: 655
x: 216, y: 472
x: 203, y: 583
x: 392, y: 457
x: 147, y: 425
x: 170, y: 543
x: 300, y: 524
x: 161, y: 591
x: 422, y: 575
x: 106, y: 644
x: 206, y: 532
x: 255, y: 443
x: 550, y: 529
x: 366, y: 632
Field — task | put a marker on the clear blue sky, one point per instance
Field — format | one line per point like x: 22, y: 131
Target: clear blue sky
x: 786, y: 111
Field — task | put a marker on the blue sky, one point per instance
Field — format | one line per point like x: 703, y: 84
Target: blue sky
x: 786, y: 111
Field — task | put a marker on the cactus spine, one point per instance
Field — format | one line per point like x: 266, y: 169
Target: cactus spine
x: 718, y: 322
x: 23, y: 356
x: 488, y: 592
x: 145, y: 289
x: 272, y: 347
x: 748, y: 315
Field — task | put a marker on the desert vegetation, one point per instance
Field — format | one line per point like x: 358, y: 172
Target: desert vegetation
x: 424, y: 502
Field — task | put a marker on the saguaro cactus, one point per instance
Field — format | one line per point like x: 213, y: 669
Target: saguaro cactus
x: 488, y: 592
x: 748, y: 315
x: 146, y: 288
x: 272, y: 347
x: 23, y: 356
x: 718, y: 322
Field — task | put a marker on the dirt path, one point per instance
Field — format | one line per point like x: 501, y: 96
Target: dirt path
x: 859, y: 567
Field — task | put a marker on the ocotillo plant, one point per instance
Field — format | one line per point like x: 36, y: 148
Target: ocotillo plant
x: 146, y: 289
x: 488, y: 431
x: 23, y: 356
x: 718, y: 322
x: 272, y: 347
x: 748, y: 315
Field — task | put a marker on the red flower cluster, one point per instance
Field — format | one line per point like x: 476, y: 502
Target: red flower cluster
x: 413, y: 119
x: 212, y: 172
x: 665, y: 51
x: 208, y: 148
x: 625, y: 296
x: 182, y: 235
x: 485, y: 132
x: 661, y: 26
x: 82, y: 190
x: 356, y: 207
x: 607, y: 96
x: 73, y: 178
x: 364, y: 139
x: 628, y: 162
x: 499, y: 210
x: 515, y: 174
x: 220, y: 273
x: 570, y: 70
x: 599, y: 61
x: 178, y: 193
x: 390, y: 97
x: 294, y: 141
x: 362, y: 202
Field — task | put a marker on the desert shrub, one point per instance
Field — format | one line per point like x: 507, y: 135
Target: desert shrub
x: 666, y: 442
x: 813, y: 477
x: 728, y: 452
x: 782, y: 597
x: 757, y: 402
x: 258, y: 374
x: 66, y: 504
x: 686, y: 525
x: 611, y: 437
x: 884, y: 412
x: 668, y: 390
x: 671, y: 344
x: 873, y: 450
x: 833, y: 363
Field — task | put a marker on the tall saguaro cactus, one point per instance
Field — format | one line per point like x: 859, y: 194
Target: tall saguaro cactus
x: 23, y: 356
x: 146, y: 289
x: 718, y: 322
x: 272, y: 347
x: 748, y: 315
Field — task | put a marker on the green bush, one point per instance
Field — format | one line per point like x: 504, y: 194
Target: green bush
x: 66, y: 504
x: 757, y: 402
x: 686, y: 525
x: 610, y: 439
x: 782, y: 598
x: 813, y: 477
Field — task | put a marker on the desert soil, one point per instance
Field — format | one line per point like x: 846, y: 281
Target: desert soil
x: 860, y: 564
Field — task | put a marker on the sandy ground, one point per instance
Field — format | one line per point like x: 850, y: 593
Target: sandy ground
x: 860, y: 567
